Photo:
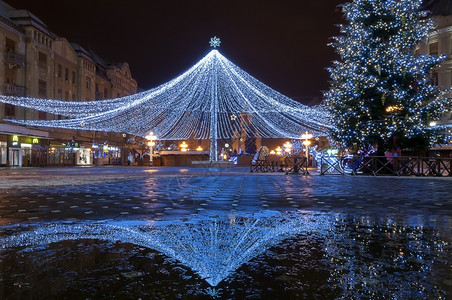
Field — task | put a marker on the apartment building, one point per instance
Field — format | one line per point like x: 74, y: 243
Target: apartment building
x: 34, y: 62
x: 438, y: 43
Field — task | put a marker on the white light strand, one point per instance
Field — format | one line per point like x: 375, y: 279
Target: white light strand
x: 381, y: 90
x: 182, y: 108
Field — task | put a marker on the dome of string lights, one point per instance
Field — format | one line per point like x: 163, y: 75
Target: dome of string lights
x: 213, y: 100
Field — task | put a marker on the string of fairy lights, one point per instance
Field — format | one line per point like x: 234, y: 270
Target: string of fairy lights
x: 183, y: 108
x: 380, y: 87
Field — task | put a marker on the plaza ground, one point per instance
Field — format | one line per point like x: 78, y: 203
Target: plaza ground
x: 146, y: 192
x: 133, y: 232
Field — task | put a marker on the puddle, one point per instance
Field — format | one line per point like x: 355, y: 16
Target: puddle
x: 266, y: 254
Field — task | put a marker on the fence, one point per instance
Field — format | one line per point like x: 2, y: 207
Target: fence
x: 290, y: 165
x: 385, y: 165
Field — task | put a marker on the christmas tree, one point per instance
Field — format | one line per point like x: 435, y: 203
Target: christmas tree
x: 381, y: 92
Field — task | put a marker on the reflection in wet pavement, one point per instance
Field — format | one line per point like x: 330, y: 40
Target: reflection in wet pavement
x: 228, y: 236
x: 267, y: 254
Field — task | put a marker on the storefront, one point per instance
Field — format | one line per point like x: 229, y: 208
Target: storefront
x: 3, y: 156
x: 104, y: 154
x: 22, y: 146
x: 15, y: 153
x: 61, y: 155
x: 83, y: 156
x: 70, y: 154
x: 23, y: 151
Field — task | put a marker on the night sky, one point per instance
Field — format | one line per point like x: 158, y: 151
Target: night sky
x: 281, y: 43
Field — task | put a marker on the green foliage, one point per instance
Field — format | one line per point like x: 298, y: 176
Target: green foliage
x: 381, y: 92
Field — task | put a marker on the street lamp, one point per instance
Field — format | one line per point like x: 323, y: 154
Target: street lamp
x: 183, y: 146
x: 306, y: 136
x: 287, y: 147
x: 151, y: 138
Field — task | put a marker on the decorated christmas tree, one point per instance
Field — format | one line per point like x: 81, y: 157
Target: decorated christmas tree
x: 381, y: 92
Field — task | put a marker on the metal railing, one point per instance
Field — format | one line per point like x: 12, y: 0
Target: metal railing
x: 12, y: 89
x: 289, y: 165
x: 386, y: 165
x: 14, y: 59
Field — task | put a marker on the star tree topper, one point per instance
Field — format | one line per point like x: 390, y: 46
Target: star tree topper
x: 215, y: 42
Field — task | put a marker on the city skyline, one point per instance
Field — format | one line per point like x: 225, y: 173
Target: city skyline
x: 284, y: 46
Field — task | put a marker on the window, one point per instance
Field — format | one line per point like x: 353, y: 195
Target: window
x: 435, y: 78
x: 450, y: 46
x: 66, y: 95
x: 42, y: 89
x: 105, y: 93
x: 73, y: 77
x: 60, y: 71
x: 433, y: 48
x: 60, y: 94
x: 9, y: 110
x: 42, y: 62
x: 66, y: 74
x: 88, y: 82
x: 42, y: 115
x: 10, y: 45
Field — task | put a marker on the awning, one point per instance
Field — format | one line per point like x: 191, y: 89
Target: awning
x: 20, y: 130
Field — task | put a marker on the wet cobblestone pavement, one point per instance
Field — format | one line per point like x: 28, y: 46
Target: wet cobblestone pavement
x: 382, y: 232
x: 147, y: 193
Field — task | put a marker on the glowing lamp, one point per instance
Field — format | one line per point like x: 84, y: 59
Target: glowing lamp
x: 183, y: 146
x: 287, y: 147
x: 306, y: 136
x: 151, y: 138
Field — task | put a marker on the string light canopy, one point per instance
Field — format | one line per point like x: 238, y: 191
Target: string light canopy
x: 213, y: 100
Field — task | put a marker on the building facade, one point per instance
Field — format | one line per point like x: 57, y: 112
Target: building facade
x: 34, y: 62
x: 440, y: 43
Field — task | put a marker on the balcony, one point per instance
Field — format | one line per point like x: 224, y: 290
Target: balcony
x: 14, y: 60
x: 12, y: 89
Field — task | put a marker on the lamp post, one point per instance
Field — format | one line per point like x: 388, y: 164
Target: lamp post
x: 306, y: 136
x: 183, y: 146
x: 151, y: 138
x: 287, y: 147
